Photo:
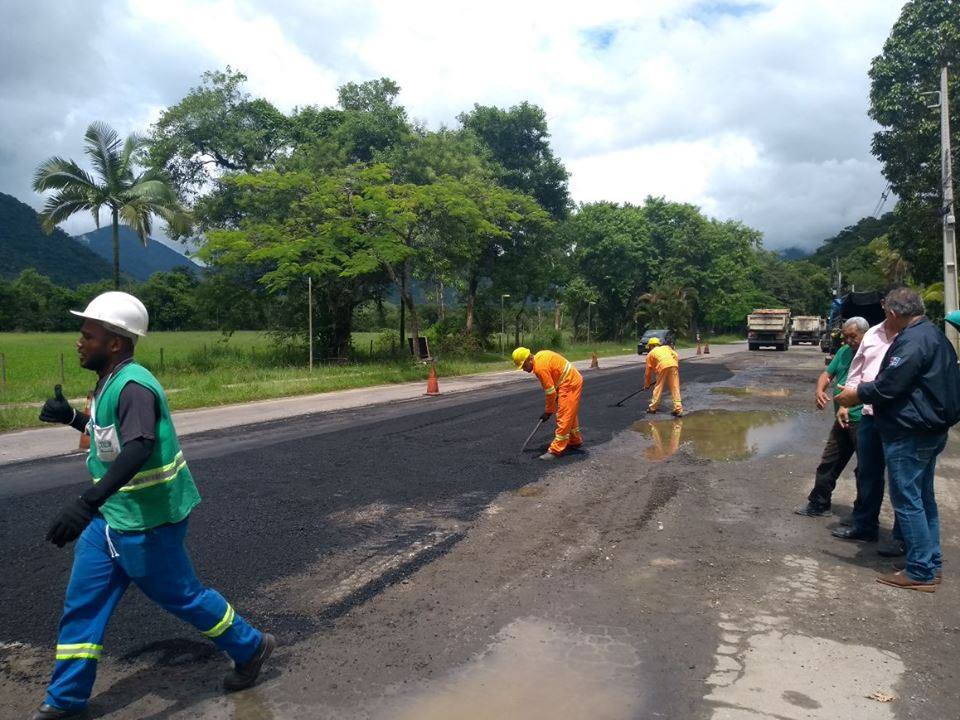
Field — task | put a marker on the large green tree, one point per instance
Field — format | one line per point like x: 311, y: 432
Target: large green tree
x: 518, y: 140
x: 925, y: 38
x: 131, y: 197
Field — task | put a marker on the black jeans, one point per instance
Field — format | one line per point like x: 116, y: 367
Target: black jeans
x: 841, y: 446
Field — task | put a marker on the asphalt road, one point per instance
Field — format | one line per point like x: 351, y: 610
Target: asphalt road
x: 413, y: 566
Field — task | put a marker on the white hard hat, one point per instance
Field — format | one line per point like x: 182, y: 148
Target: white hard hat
x: 118, y: 311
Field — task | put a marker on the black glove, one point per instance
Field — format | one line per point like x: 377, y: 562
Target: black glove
x: 71, y: 522
x: 545, y: 417
x: 57, y: 409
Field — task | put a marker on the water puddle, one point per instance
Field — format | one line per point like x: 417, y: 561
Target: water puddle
x: 535, y: 670
x: 744, y: 393
x: 530, y: 491
x: 719, y: 434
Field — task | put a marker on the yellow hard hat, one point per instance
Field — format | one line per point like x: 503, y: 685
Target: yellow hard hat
x: 520, y: 356
x: 653, y: 341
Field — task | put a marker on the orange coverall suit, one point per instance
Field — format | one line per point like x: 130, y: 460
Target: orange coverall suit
x: 664, y: 361
x: 563, y: 384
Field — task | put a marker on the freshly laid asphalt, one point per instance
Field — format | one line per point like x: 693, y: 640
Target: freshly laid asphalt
x: 266, y: 487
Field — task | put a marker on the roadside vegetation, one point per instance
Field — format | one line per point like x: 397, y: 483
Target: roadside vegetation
x: 201, y: 369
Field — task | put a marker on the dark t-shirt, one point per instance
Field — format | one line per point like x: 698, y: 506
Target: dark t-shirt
x: 137, y: 412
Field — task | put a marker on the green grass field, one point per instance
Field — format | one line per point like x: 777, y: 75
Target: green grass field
x: 205, y: 368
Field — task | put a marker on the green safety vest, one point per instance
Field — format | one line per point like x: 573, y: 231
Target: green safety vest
x: 163, y: 491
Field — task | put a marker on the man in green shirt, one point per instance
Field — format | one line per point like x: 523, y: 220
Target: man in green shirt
x: 842, y: 441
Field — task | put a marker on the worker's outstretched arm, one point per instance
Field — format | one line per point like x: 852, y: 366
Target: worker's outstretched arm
x: 649, y: 372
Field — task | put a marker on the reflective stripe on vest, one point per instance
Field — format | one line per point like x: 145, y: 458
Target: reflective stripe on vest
x: 566, y: 370
x: 156, y: 476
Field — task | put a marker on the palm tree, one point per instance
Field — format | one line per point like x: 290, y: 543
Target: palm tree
x: 131, y: 198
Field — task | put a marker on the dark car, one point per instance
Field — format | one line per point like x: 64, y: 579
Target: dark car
x: 663, y: 335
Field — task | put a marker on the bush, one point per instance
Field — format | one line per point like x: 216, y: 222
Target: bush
x: 551, y: 340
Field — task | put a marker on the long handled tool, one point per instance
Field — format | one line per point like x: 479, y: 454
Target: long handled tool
x: 530, y: 437
x: 635, y: 392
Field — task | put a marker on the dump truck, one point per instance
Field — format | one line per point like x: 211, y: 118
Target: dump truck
x: 768, y: 328
x: 806, y: 329
x: 867, y: 305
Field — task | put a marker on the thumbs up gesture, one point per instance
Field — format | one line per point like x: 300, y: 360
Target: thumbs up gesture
x: 57, y: 409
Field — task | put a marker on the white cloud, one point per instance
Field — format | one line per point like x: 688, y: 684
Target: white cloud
x: 753, y: 110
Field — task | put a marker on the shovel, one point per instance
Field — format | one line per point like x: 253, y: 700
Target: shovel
x: 530, y: 437
x: 635, y: 392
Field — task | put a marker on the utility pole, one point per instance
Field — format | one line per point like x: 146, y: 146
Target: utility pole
x: 310, y: 316
x: 502, y: 326
x: 949, y: 213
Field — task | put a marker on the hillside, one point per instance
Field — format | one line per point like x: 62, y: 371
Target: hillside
x: 135, y: 260
x: 850, y: 238
x: 23, y: 244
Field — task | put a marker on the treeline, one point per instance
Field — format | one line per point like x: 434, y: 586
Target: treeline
x: 371, y: 205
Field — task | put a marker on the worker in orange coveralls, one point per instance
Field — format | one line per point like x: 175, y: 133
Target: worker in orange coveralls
x: 663, y: 360
x: 563, y: 384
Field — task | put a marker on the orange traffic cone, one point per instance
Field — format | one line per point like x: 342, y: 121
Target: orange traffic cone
x: 699, y: 348
x: 84, y: 438
x: 594, y: 362
x: 433, y: 387
x: 706, y: 347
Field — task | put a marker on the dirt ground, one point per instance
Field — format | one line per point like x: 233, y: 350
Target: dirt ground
x: 660, y: 575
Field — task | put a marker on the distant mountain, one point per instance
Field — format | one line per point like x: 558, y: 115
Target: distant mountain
x: 794, y: 253
x: 136, y: 260
x: 23, y: 244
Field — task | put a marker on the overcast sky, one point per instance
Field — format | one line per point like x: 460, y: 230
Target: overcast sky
x: 751, y: 110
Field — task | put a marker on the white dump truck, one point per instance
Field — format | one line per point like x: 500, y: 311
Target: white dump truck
x: 768, y: 328
x: 806, y: 329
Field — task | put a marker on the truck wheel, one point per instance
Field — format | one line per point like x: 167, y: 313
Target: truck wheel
x: 783, y: 347
x: 751, y: 346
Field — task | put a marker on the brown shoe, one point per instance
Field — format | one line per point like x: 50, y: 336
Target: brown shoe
x: 901, y: 580
x: 902, y: 565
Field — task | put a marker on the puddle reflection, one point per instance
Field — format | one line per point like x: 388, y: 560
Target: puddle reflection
x: 749, y: 392
x: 537, y: 671
x: 718, y: 434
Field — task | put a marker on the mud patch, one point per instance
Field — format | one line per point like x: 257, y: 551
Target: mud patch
x: 536, y: 670
x: 745, y: 393
x: 719, y: 434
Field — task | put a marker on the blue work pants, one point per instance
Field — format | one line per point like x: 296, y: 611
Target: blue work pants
x: 104, y: 563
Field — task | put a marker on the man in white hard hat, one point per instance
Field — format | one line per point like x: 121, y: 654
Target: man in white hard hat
x: 131, y: 523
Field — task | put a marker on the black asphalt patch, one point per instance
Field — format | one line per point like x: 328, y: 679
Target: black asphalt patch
x: 268, y: 488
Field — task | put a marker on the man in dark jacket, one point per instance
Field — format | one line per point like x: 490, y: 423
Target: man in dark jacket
x: 916, y: 399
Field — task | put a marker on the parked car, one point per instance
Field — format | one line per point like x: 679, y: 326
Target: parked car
x: 662, y: 334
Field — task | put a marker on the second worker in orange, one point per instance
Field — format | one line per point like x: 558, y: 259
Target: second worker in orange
x: 664, y: 361
x: 563, y: 385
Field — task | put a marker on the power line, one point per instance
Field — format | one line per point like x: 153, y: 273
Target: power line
x: 883, y: 199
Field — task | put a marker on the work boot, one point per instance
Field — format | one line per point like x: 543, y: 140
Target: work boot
x: 812, y: 509
x: 244, y: 675
x: 49, y: 712
x: 651, y: 410
x: 677, y: 412
x: 548, y: 456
